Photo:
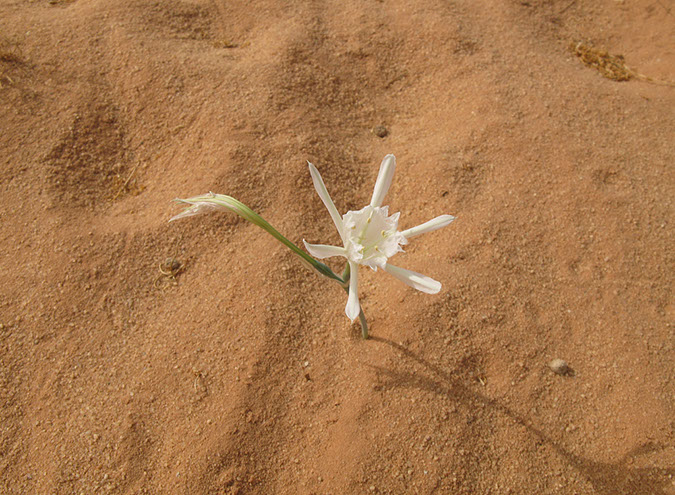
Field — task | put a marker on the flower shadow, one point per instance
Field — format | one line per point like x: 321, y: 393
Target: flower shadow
x: 605, y: 477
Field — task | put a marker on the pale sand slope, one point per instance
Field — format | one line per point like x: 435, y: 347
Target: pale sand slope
x: 246, y: 377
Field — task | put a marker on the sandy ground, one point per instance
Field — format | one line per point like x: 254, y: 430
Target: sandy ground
x: 241, y: 374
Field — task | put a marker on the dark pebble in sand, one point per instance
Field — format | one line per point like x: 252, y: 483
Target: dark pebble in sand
x: 380, y: 131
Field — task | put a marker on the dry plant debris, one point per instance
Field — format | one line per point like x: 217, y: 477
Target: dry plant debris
x: 129, y: 186
x: 169, y: 269
x: 610, y: 66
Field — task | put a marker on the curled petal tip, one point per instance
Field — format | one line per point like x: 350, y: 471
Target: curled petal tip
x: 353, y: 307
x: 415, y: 280
x: 352, y: 310
x: 323, y: 251
x: 430, y: 226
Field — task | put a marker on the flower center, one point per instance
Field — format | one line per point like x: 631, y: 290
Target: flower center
x: 372, y: 236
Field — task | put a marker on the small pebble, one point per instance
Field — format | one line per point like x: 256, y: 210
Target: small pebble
x: 380, y: 131
x: 559, y: 367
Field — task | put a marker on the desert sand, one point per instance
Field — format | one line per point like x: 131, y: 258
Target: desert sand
x: 139, y: 356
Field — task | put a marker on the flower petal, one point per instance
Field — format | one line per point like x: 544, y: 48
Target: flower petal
x: 325, y: 197
x: 430, y: 226
x: 322, y: 251
x: 414, y: 279
x: 353, y: 308
x: 384, y: 178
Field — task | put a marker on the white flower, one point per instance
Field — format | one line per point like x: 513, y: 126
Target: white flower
x: 370, y: 236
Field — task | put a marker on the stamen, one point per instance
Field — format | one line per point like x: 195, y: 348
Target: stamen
x: 362, y: 236
x: 374, y: 246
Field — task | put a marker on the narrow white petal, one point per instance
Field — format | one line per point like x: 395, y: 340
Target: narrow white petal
x: 414, y: 279
x: 353, y: 308
x: 384, y: 178
x: 430, y: 226
x: 325, y: 197
x: 322, y: 251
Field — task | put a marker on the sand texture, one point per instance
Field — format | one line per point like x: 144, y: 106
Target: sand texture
x: 547, y: 127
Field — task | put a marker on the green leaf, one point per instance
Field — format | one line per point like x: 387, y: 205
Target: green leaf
x: 209, y: 202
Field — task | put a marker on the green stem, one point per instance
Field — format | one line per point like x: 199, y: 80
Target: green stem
x: 364, y: 325
x: 345, y: 277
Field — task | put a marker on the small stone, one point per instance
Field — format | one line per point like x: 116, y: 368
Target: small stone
x: 559, y: 367
x: 380, y: 131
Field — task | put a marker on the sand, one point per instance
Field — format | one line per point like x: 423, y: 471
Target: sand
x: 236, y: 371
